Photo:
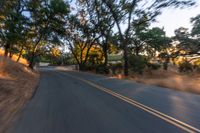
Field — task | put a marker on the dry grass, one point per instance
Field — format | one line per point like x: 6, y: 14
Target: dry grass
x: 17, y: 84
x: 15, y: 57
x: 170, y: 79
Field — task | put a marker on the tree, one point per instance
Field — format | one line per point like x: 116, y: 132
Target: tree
x: 196, y: 32
x: 103, y: 21
x: 186, y: 44
x: 157, y: 42
x: 125, y: 11
x: 83, y: 33
x: 138, y: 34
x: 148, y: 42
x: 196, y: 26
x: 47, y: 22
x: 12, y: 22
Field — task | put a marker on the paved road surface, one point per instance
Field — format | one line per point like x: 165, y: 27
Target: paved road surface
x: 73, y: 102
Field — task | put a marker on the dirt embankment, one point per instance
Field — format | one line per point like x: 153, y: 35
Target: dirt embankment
x: 17, y: 84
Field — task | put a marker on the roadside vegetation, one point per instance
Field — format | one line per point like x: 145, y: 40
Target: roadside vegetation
x: 17, y: 84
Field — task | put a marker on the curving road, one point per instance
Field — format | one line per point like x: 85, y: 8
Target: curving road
x: 75, y: 102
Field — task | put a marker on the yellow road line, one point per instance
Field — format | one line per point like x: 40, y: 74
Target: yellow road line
x: 184, y: 126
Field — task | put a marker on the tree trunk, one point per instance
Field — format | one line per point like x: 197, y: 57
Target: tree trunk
x: 165, y: 64
x: 105, y: 49
x: 6, y: 53
x: 11, y: 54
x: 125, y: 60
x: 81, y: 67
x: 31, y: 65
x: 31, y: 62
x: 32, y: 58
x: 20, y: 53
x: 7, y: 47
x: 105, y: 52
x: 106, y: 58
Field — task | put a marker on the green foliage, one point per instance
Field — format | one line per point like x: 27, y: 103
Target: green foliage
x: 187, y: 43
x: 156, y: 38
x: 88, y: 67
x: 196, y: 25
x: 102, y: 69
x: 12, y: 25
x: 137, y: 63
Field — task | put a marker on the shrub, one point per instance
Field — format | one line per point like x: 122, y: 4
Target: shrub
x: 153, y: 66
x: 88, y: 67
x: 102, y: 69
x: 137, y: 63
x: 185, y: 66
x: 116, y: 68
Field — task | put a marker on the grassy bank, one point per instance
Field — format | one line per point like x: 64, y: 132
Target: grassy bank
x: 17, y: 84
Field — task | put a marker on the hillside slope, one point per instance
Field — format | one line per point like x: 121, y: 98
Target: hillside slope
x: 17, y: 84
x: 14, y: 58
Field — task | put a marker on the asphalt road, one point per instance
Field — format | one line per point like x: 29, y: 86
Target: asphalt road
x: 74, y: 102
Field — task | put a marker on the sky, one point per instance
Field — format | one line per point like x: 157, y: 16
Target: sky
x: 172, y: 19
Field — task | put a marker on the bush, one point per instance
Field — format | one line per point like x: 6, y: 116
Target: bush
x: 88, y: 67
x: 102, y: 69
x: 137, y: 63
x: 185, y: 66
x: 198, y: 69
x: 153, y: 66
x: 116, y: 68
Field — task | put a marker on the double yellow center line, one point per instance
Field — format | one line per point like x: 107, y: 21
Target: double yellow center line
x: 169, y: 119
